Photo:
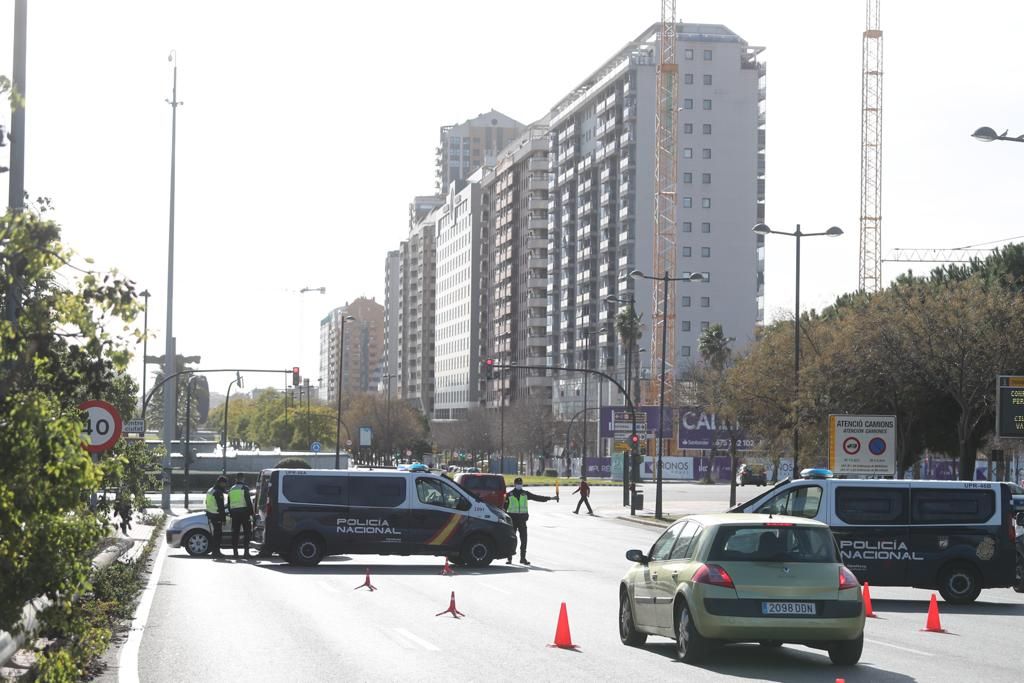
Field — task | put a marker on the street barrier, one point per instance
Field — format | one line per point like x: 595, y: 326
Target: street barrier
x: 366, y: 583
x: 452, y: 609
x: 563, y: 639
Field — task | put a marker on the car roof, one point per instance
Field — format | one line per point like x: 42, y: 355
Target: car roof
x: 748, y: 518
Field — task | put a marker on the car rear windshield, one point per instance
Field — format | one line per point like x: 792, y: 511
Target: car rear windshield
x: 484, y: 483
x: 764, y: 543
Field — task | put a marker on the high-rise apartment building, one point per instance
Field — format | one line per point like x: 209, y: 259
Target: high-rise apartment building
x: 601, y: 220
x: 460, y: 311
x: 364, y: 347
x: 392, y: 298
x: 469, y: 145
x: 517, y: 191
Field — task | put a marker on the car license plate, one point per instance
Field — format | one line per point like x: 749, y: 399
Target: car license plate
x: 784, y: 608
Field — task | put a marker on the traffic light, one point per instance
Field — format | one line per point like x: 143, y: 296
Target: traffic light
x: 489, y: 366
x: 634, y: 441
x: 296, y: 379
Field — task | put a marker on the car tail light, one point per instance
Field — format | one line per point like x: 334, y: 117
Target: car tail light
x: 713, y: 575
x: 778, y: 524
x: 847, y: 579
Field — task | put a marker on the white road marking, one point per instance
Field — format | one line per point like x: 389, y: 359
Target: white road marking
x: 491, y: 587
x: 128, y: 660
x: 417, y: 640
x: 898, y: 647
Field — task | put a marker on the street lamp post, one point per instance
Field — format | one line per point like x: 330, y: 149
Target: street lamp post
x: 188, y: 432
x: 762, y: 229
x: 630, y: 347
x: 145, y: 338
x: 341, y: 361
x: 224, y: 437
x: 692, y: 277
x: 388, y: 377
x: 986, y: 134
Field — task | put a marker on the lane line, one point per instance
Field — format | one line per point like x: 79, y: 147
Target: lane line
x: 426, y: 645
x: 128, y: 660
x: 898, y: 647
x: 491, y: 587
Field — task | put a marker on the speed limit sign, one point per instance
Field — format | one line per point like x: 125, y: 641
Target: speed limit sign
x: 102, y: 425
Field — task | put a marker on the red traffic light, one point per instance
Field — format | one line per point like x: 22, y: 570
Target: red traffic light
x: 635, y: 439
x: 296, y: 378
x: 489, y: 362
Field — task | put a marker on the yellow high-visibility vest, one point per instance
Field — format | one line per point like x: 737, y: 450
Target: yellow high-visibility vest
x: 236, y: 497
x: 517, y: 504
x: 211, y: 501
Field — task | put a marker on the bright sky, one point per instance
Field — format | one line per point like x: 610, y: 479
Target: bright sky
x: 308, y: 127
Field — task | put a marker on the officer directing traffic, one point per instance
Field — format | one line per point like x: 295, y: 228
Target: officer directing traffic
x: 216, y: 512
x: 516, y: 502
x: 240, y: 504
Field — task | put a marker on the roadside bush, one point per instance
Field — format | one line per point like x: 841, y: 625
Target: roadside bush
x: 293, y: 464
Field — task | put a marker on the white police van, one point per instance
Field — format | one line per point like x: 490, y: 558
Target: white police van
x: 956, y: 536
x: 306, y: 515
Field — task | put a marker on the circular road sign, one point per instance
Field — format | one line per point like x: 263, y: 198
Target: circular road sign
x: 102, y: 425
x: 877, y: 445
x: 348, y: 442
x: 851, y: 445
x: 315, y: 447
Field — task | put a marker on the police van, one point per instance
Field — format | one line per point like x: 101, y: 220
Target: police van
x: 956, y: 536
x: 306, y: 515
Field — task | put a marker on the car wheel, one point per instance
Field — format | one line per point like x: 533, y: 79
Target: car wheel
x: 958, y: 584
x: 196, y: 542
x: 1018, y: 577
x: 846, y: 652
x: 691, y: 646
x: 477, y: 551
x: 627, y: 628
x: 307, y: 551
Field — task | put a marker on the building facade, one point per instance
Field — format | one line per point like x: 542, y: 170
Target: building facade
x: 470, y: 145
x: 364, y: 347
x: 392, y: 298
x: 601, y: 212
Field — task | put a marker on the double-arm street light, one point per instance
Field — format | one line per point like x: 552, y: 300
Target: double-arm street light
x: 224, y: 444
x: 341, y: 362
x: 986, y: 134
x: 665, y: 279
x: 762, y: 229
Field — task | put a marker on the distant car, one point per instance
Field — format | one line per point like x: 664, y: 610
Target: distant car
x: 751, y: 474
x: 769, y: 579
x: 490, y: 488
x: 192, y: 532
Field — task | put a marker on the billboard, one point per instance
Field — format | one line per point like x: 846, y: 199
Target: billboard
x: 700, y: 429
x: 1010, y: 406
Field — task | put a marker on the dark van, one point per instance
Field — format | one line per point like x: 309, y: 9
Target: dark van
x: 954, y: 536
x: 305, y: 515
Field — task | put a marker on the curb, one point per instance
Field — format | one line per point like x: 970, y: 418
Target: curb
x: 646, y: 521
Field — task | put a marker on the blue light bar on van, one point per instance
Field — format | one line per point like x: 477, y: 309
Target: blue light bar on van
x: 816, y: 473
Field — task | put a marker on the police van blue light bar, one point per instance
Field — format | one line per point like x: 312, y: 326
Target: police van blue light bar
x: 816, y: 473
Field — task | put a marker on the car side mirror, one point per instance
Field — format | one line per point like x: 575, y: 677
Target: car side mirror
x: 1020, y: 519
x: 464, y: 504
x: 636, y: 556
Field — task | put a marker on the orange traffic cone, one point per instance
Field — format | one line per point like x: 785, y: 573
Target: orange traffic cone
x: 868, y: 612
x: 452, y: 609
x: 366, y: 584
x: 562, y: 637
x: 447, y: 571
x: 933, y: 617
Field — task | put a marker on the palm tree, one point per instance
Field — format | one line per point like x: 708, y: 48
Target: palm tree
x: 716, y: 354
x: 627, y: 324
x: 714, y: 347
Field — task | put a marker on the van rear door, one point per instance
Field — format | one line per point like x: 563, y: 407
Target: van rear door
x: 871, y: 525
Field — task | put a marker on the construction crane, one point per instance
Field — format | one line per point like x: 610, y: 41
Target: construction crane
x: 955, y: 255
x: 663, y: 337
x: 871, y: 152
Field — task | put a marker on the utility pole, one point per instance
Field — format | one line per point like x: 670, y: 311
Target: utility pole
x: 16, y: 191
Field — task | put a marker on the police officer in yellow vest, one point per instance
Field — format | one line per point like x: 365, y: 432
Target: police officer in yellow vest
x: 516, y: 504
x: 240, y: 504
x: 216, y: 512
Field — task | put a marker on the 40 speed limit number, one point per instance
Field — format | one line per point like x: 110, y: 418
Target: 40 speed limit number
x: 102, y: 425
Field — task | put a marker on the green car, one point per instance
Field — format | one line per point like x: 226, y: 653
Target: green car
x: 769, y: 579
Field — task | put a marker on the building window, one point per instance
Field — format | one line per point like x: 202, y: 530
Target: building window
x: 688, y: 53
x: 706, y: 277
x: 686, y: 302
x: 707, y: 79
x: 705, y: 252
x: 705, y: 227
x: 688, y: 129
x: 688, y: 103
x: 687, y: 226
x: 707, y: 105
x: 705, y: 302
x: 706, y: 153
x: 686, y: 351
x: 687, y: 152
x: 705, y: 178
x: 706, y: 129
x: 704, y: 324
x: 688, y: 79
x: 686, y: 251
x: 707, y: 55
x: 705, y: 203
x: 687, y: 202
x: 687, y: 177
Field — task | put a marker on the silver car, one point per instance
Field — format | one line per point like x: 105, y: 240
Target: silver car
x: 193, y: 533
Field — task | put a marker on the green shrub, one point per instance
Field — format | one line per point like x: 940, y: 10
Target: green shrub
x: 293, y: 464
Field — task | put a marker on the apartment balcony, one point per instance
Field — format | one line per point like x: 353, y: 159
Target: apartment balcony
x: 537, y: 204
x: 538, y: 163
x: 606, y: 174
x: 625, y: 139
x: 567, y: 133
x: 624, y: 211
x: 605, y: 266
x: 624, y: 188
x: 537, y: 183
x: 624, y: 261
x: 606, y: 219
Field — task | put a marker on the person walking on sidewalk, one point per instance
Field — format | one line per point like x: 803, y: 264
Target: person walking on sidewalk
x: 240, y: 504
x: 216, y: 512
x: 516, y: 504
x: 584, y: 490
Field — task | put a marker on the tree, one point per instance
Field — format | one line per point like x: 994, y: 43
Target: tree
x: 60, y: 344
x: 627, y: 324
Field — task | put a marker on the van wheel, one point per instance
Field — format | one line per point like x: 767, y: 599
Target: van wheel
x: 456, y: 560
x: 196, y: 542
x: 1018, y: 577
x: 691, y: 646
x: 477, y: 551
x: 627, y: 627
x: 307, y: 551
x: 958, y: 584
x: 846, y: 652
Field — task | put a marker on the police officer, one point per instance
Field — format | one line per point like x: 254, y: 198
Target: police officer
x: 216, y: 512
x: 240, y: 504
x: 516, y: 502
